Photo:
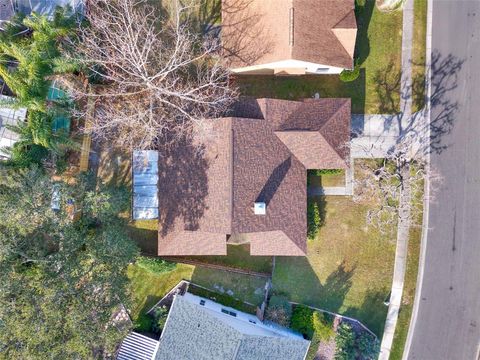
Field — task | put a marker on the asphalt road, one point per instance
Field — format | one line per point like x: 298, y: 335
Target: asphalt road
x: 447, y: 324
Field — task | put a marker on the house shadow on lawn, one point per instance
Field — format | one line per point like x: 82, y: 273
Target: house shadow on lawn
x: 303, y: 286
x: 373, y: 312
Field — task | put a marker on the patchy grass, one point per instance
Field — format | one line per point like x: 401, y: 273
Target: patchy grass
x: 348, y: 268
x: 418, y: 53
x: 378, y: 50
x: 238, y: 256
x: 242, y: 287
x: 222, y: 299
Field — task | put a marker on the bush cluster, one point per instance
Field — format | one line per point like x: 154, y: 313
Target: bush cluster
x: 350, y: 345
x: 155, y: 265
x: 350, y: 75
x: 314, y: 220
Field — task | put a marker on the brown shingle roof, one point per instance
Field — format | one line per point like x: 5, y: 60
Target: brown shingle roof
x: 264, y: 31
x: 260, y: 155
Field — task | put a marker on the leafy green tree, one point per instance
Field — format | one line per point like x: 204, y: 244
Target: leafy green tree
x: 302, y: 320
x: 37, y: 140
x: 60, y: 279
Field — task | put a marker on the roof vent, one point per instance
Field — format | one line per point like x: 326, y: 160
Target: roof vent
x: 260, y: 208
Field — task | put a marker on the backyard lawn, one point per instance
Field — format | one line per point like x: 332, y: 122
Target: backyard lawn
x: 238, y: 256
x: 378, y: 50
x: 148, y: 288
x: 348, y: 268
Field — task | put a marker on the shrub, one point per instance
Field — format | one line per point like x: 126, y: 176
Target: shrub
x: 368, y: 346
x: 321, y: 172
x: 313, y: 218
x: 302, y: 321
x: 155, y: 265
x: 160, y: 315
x: 345, y: 343
x: 323, y: 326
x: 279, y: 310
x: 350, y: 75
x: 143, y: 323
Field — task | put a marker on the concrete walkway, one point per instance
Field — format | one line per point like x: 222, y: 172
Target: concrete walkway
x: 404, y: 208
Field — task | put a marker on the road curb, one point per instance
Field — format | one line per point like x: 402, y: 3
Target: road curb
x: 426, y: 203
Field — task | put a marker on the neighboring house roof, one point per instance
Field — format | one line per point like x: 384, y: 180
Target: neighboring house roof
x: 196, y: 332
x: 258, y: 156
x: 137, y: 347
x: 258, y: 32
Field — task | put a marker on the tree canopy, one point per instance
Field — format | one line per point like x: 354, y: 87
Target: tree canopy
x: 61, y: 276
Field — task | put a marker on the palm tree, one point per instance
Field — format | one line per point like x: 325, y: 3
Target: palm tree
x: 37, y: 140
x: 30, y: 55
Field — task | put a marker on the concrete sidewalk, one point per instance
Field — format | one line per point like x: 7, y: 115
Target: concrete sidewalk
x: 404, y: 208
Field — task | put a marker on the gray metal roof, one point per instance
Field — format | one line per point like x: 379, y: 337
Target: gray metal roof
x: 46, y: 7
x: 137, y: 347
x: 145, y: 179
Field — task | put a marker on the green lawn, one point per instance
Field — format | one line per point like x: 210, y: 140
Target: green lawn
x: 327, y: 179
x: 418, y: 53
x: 238, y: 256
x: 348, y: 268
x: 378, y: 50
x: 149, y: 288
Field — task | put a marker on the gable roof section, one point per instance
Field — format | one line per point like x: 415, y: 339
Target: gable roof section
x: 316, y: 131
x: 195, y: 332
x: 265, y: 31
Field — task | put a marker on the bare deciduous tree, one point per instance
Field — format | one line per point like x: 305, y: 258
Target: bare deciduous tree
x: 159, y: 79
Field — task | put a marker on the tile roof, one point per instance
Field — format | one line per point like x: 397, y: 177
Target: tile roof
x: 196, y: 332
x: 264, y: 31
x: 260, y: 154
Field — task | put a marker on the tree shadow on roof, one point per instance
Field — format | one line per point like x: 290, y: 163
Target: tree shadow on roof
x: 182, y: 185
x: 244, y: 40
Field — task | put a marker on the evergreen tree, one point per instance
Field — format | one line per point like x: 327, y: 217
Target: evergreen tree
x: 60, y: 279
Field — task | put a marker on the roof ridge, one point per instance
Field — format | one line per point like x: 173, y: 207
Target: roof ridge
x: 328, y: 121
x: 340, y: 23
